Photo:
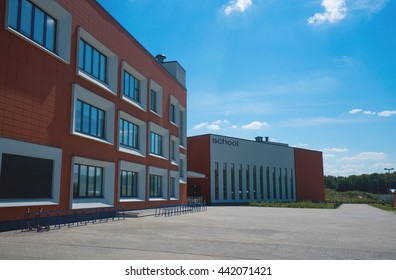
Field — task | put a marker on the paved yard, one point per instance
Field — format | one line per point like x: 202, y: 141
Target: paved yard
x: 350, y: 232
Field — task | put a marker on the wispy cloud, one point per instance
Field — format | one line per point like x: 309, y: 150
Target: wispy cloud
x: 255, y: 125
x: 335, y: 11
x: 335, y: 150
x: 239, y: 6
x: 216, y: 125
x: 386, y: 113
x: 364, y: 156
x: 368, y: 5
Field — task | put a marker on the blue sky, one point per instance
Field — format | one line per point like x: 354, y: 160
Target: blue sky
x: 316, y: 74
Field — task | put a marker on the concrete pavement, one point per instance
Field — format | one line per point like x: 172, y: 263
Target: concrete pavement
x: 227, y: 232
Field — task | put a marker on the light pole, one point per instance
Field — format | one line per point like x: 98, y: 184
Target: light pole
x: 389, y: 170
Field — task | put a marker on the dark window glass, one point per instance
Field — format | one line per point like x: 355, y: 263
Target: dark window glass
x: 92, y: 61
x: 156, y: 144
x: 129, y: 186
x: 131, y: 87
x: 172, y: 187
x: 129, y: 134
x: 89, y: 120
x: 172, y: 113
x: 153, y: 101
x: 155, y: 186
x: 88, y: 181
x: 25, y: 177
x: 32, y: 22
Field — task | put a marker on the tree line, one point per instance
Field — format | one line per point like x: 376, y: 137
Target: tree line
x: 377, y: 183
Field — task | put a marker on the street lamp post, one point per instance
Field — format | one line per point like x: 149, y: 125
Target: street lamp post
x: 389, y: 170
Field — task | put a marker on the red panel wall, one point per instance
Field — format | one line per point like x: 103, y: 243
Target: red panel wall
x: 309, y: 175
x: 199, y: 161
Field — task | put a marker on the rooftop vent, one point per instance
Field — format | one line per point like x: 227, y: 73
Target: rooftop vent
x: 259, y: 139
x: 266, y: 139
x: 160, y: 58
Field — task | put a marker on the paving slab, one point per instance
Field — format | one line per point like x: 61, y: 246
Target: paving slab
x: 353, y: 231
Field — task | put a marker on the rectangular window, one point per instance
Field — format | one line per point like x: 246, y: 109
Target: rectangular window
x: 225, y: 194
x: 129, y: 134
x: 155, y: 186
x: 181, y: 168
x: 87, y: 181
x: 291, y: 184
x: 172, y: 187
x: 129, y: 184
x: 254, y: 182
x: 89, y: 120
x: 173, y: 150
x: 280, y: 184
x: 274, y: 182
x: 232, y: 181
x: 240, y: 182
x: 153, y: 101
x: 32, y: 22
x: 216, y: 181
x: 172, y: 113
x: 247, y: 182
x: 156, y: 144
x: 267, y: 175
x: 261, y: 183
x: 131, y: 87
x: 92, y: 61
x: 286, y: 185
x: 24, y: 177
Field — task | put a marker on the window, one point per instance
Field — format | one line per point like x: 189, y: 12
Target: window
x: 33, y: 22
x: 45, y: 24
x: 96, y: 62
x: 225, y: 197
x: 129, y: 134
x: 155, y: 98
x: 240, y: 181
x: 174, y: 113
x: 41, y: 170
x: 172, y: 187
x: 159, y: 141
x: 156, y: 144
x: 92, y: 61
x: 254, y: 182
x: 247, y: 182
x: 174, y: 150
x: 155, y: 186
x: 92, y: 183
x: 216, y: 180
x: 232, y: 181
x: 89, y: 120
x: 134, y: 87
x: 129, y: 184
x: 87, y: 181
x: 261, y: 183
x: 182, y: 127
x: 131, y: 87
x: 93, y: 116
x: 153, y: 101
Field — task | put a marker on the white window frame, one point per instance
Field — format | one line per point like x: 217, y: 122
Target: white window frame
x: 20, y: 148
x: 80, y: 93
x: 108, y: 185
x: 165, y: 140
x: 63, y: 30
x: 111, y: 67
x: 175, y: 175
x: 165, y: 183
x: 141, y: 171
x: 141, y: 151
x: 158, y: 89
x: 142, y: 105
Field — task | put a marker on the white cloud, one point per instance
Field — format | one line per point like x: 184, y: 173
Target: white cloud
x: 368, y: 5
x: 213, y: 127
x: 369, y: 113
x: 335, y: 150
x: 200, y: 126
x: 255, y: 125
x: 216, y: 125
x: 335, y: 11
x: 387, y: 113
x: 365, y: 156
x: 355, y: 111
x: 328, y: 156
x: 237, y: 6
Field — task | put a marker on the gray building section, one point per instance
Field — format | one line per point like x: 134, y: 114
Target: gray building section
x: 244, y: 170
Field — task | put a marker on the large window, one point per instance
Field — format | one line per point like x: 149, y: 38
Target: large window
x: 92, y: 61
x: 129, y: 134
x: 89, y: 120
x: 216, y: 181
x: 172, y: 187
x: 155, y: 186
x: 131, y: 87
x: 33, y: 22
x: 153, y: 101
x: 87, y: 181
x: 129, y: 184
x: 156, y: 144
